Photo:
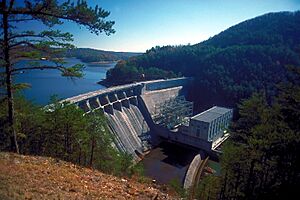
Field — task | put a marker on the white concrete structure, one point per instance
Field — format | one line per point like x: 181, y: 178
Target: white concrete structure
x: 207, y: 130
x: 210, y: 124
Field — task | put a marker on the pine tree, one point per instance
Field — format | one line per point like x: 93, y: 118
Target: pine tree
x: 16, y: 45
x: 261, y: 160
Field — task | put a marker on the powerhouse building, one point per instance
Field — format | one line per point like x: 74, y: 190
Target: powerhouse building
x: 209, y: 126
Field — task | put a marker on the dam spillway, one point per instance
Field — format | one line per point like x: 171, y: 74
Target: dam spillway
x: 145, y: 115
x: 129, y: 128
x: 130, y: 108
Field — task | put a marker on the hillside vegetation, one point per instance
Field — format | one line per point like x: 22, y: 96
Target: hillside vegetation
x: 32, y: 177
x: 246, y: 58
x: 94, y: 55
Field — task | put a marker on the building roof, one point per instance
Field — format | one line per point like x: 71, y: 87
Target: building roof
x: 211, y: 114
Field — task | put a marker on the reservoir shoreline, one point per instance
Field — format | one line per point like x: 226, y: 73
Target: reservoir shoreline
x: 45, y: 83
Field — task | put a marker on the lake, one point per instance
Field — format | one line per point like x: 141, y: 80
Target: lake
x: 45, y: 83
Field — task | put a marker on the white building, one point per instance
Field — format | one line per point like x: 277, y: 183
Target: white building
x: 209, y: 126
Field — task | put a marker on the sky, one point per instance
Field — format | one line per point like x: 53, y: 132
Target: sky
x: 142, y: 24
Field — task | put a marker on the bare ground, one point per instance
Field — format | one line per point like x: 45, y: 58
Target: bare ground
x: 32, y: 177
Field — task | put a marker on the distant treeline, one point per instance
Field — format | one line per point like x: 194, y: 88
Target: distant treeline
x: 246, y: 58
x: 123, y: 73
x: 94, y: 55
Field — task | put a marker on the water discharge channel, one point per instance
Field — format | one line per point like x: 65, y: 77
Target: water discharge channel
x: 168, y: 162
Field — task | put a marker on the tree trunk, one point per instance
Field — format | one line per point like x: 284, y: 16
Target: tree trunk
x: 236, y: 186
x: 249, y: 187
x: 222, y: 193
x: 13, y: 137
x: 79, y: 156
x: 92, y: 152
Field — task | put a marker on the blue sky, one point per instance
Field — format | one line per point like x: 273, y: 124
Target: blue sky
x: 142, y: 24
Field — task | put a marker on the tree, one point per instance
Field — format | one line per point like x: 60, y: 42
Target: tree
x: 63, y: 131
x: 261, y: 159
x: 100, y: 137
x: 18, y: 45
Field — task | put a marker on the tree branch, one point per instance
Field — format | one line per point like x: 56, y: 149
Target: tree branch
x: 35, y: 13
x: 52, y: 35
x: 20, y: 43
x: 74, y: 71
x: 60, y: 68
x: 65, y: 17
x: 11, y: 4
x: 48, y: 43
x: 25, y: 35
x: 21, y: 20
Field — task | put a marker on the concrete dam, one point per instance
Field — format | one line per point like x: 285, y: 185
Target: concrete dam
x: 143, y: 115
x: 130, y: 110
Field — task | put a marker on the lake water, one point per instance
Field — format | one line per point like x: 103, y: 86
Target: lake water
x: 45, y: 83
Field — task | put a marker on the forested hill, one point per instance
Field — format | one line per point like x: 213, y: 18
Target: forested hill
x: 248, y: 57
x: 270, y: 29
x: 94, y: 55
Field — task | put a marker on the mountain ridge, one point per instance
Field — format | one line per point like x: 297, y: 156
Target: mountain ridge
x: 249, y: 57
x: 96, y: 55
x: 257, y: 24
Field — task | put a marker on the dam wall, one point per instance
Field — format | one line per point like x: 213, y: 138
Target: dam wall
x: 152, y: 98
x: 165, y: 83
x: 159, y: 91
x: 129, y: 109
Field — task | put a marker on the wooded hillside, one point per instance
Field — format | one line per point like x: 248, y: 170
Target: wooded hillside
x: 94, y: 55
x: 246, y: 58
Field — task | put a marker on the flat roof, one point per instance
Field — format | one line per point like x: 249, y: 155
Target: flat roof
x: 211, y: 114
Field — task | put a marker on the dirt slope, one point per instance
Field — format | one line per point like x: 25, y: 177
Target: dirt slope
x: 30, y: 177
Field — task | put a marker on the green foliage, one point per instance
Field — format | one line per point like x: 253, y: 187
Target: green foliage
x: 230, y: 66
x: 260, y: 160
x: 75, y: 70
x: 123, y: 73
x: 29, y: 118
x: 20, y: 43
x: 63, y: 131
x: 64, y: 128
x: 176, y: 185
x: 209, y: 188
x: 139, y: 171
x: 269, y: 29
x: 93, y: 55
